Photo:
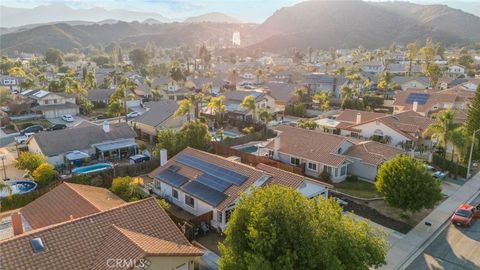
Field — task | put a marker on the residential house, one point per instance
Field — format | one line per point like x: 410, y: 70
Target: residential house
x: 52, y: 105
x: 318, y: 82
x: 321, y: 152
x: 158, y: 115
x: 282, y: 92
x: 105, y: 142
x: 373, y: 67
x: 12, y: 83
x: 206, y: 184
x: 411, y: 82
x: 128, y: 236
x: 235, y: 98
x: 402, y: 69
x: 215, y: 84
x: 100, y: 96
x: 401, y: 129
x: 456, y: 71
x: 426, y: 102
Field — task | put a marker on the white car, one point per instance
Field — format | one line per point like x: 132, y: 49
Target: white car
x: 133, y: 114
x: 68, y: 118
x: 24, y: 138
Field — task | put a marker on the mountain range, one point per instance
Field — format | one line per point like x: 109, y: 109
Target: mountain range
x: 316, y: 24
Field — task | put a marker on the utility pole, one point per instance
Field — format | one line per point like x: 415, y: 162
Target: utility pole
x: 471, y: 153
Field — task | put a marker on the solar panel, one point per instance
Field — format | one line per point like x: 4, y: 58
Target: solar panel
x: 204, y: 193
x: 421, y: 98
x: 222, y: 173
x: 172, y: 178
x: 213, y: 182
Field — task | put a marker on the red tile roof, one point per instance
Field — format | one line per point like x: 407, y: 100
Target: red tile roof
x: 373, y: 153
x: 131, y: 230
x: 350, y: 116
x: 310, y: 144
x: 68, y: 201
x: 284, y: 178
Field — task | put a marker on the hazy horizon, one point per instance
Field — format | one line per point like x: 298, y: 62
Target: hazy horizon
x: 245, y: 10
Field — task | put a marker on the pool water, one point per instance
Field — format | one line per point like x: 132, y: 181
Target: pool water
x: 18, y: 187
x: 92, y: 168
x: 226, y: 134
x: 249, y: 149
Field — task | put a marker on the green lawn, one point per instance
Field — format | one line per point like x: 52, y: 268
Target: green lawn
x: 358, y: 188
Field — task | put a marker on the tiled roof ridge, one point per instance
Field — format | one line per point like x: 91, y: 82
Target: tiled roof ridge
x: 127, y: 234
x: 321, y: 133
x: 54, y: 226
x: 70, y: 186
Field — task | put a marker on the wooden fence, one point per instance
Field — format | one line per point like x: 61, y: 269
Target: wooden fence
x: 253, y: 160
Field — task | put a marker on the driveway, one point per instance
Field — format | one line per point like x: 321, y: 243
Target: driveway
x: 59, y: 120
x: 454, y: 248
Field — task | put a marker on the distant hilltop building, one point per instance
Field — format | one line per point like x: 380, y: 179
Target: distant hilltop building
x: 236, y: 38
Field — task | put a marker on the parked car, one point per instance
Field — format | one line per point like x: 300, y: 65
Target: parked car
x: 32, y: 129
x: 5, y: 109
x: 133, y: 114
x: 57, y: 127
x: 22, y: 139
x: 68, y: 118
x: 439, y: 175
x: 464, y: 215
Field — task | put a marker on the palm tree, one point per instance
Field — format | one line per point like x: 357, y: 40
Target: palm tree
x: 250, y: 105
x: 266, y: 116
x: 459, y: 139
x: 346, y: 92
x: 322, y: 99
x: 301, y: 92
x: 156, y: 94
x: 440, y: 130
x: 185, y: 107
x: 216, y: 105
x: 385, y: 81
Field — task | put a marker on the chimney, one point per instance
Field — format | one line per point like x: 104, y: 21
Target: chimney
x: 106, y: 126
x: 415, y: 106
x: 359, y: 118
x: 163, y: 157
x: 276, y: 145
x: 17, y: 224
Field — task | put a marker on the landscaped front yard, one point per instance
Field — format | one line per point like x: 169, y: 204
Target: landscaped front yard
x: 26, y: 123
x: 361, y: 189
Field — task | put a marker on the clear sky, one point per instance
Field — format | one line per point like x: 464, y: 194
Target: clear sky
x: 247, y: 10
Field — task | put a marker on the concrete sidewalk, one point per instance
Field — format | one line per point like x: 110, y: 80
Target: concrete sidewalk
x: 412, y: 243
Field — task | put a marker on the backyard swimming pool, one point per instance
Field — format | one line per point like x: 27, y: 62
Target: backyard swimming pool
x: 18, y: 187
x: 226, y: 134
x: 249, y: 149
x: 92, y: 168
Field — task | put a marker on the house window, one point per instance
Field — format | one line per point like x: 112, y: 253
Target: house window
x: 328, y: 169
x: 55, y: 101
x: 219, y: 216
x: 312, y: 166
x: 228, y: 214
x: 336, y: 172
x: 157, y: 185
x: 270, y: 153
x: 295, y: 161
x: 189, y: 201
x: 175, y: 193
x: 45, y: 102
x: 343, y: 170
x: 339, y: 150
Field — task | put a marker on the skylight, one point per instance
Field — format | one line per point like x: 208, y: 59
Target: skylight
x: 37, y: 245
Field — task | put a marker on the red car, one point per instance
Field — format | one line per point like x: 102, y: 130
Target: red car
x: 464, y: 215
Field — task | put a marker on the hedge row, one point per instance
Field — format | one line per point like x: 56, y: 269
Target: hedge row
x: 448, y: 165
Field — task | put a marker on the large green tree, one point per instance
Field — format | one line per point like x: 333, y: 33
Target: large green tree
x: 442, y: 127
x: 278, y: 228
x: 54, y: 56
x: 139, y: 57
x: 195, y: 134
x: 473, y: 120
x: 406, y: 184
x: 249, y: 104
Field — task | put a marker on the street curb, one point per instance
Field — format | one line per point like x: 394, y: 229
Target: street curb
x: 412, y: 256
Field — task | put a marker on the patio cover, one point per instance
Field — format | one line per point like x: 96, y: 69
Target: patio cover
x: 115, y: 145
x: 76, y: 155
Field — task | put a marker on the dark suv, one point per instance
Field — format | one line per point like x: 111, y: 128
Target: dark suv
x: 57, y: 127
x: 31, y: 129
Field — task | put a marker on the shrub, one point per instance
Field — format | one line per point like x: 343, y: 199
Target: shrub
x: 164, y: 204
x: 325, y: 176
x: 124, y: 188
x: 44, y: 174
x: 17, y: 200
x: 30, y: 161
x: 248, y: 130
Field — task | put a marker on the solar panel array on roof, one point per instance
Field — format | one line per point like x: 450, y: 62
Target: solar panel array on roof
x: 173, y: 168
x: 204, y: 193
x: 219, y: 172
x: 213, y: 182
x: 421, y: 98
x: 172, y: 178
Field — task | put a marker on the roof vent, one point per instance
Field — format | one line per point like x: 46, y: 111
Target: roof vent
x: 37, y: 245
